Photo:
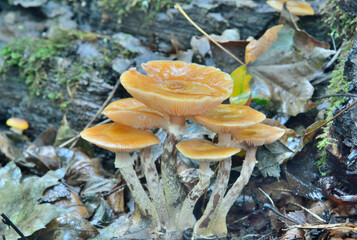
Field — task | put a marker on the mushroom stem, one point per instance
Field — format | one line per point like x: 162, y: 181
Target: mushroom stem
x: 154, y: 185
x: 187, y: 219
x: 125, y: 162
x: 219, y: 226
x: 16, y: 130
x: 173, y: 189
x: 202, y: 228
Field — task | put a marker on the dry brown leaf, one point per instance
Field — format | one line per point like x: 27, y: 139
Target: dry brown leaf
x: 297, y: 8
x: 294, y: 233
x: 256, y: 47
x: 303, y: 41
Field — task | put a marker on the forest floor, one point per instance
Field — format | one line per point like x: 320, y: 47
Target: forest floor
x: 60, y: 62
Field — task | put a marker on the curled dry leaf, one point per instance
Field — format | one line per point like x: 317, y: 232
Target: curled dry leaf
x: 283, y: 74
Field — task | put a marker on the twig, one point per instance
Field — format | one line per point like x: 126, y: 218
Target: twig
x: 309, y: 211
x: 270, y: 207
x: 271, y: 200
x: 99, y: 111
x: 78, y: 135
x: 75, y: 138
x: 338, y: 114
x: 336, y: 95
x: 333, y: 59
x: 7, y: 221
x: 207, y: 36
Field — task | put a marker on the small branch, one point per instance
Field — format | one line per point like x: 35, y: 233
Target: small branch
x: 78, y: 135
x: 270, y: 207
x: 207, y: 36
x: 336, y: 95
x: 312, y: 213
x: 333, y: 59
x: 98, y: 112
x: 8, y: 222
x: 328, y: 121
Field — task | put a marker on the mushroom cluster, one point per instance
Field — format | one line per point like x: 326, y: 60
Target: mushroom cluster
x: 170, y: 93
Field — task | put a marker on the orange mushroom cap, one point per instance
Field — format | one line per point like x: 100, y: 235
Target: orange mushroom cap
x: 257, y: 135
x: 297, y: 8
x: 178, y: 88
x: 204, y: 150
x: 117, y: 137
x: 133, y: 113
x: 18, y: 123
x: 226, y: 118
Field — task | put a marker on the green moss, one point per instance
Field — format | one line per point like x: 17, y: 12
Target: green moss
x: 122, y: 8
x: 36, y: 62
x: 342, y: 25
x: 342, y: 30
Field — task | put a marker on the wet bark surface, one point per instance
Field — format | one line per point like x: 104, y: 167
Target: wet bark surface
x: 251, y: 18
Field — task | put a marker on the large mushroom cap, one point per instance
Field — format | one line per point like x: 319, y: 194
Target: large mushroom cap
x: 257, y: 135
x: 204, y: 150
x: 133, y: 113
x: 116, y: 137
x: 226, y: 118
x: 18, y: 123
x: 178, y: 88
x: 297, y: 8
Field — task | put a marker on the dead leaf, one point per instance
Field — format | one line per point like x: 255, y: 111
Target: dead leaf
x: 64, y: 132
x: 302, y: 40
x: 283, y: 75
x: 270, y: 156
x: 241, y: 90
x: 256, y: 47
x: 19, y: 200
x: 46, y: 156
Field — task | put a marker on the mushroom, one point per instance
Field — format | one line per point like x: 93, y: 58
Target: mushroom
x: 18, y: 125
x: 296, y: 8
x: 205, y: 152
x: 248, y: 138
x: 123, y: 139
x: 177, y: 89
x: 131, y: 112
x: 224, y: 120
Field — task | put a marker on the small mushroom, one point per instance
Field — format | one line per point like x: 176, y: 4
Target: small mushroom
x: 224, y: 120
x: 249, y: 138
x: 18, y: 125
x: 205, y: 152
x: 123, y: 139
x: 296, y: 8
x: 131, y: 112
x: 177, y: 89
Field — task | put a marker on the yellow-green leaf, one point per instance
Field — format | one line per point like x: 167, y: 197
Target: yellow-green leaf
x: 241, y: 90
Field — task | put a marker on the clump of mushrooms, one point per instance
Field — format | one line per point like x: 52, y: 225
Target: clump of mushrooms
x: 177, y: 89
x: 170, y: 93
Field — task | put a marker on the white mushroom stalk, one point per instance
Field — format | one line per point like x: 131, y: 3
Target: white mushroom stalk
x: 123, y: 139
x: 205, y: 152
x: 250, y: 138
x: 224, y: 120
x: 154, y: 186
x: 186, y: 217
x: 133, y: 113
x: 218, y: 226
x: 124, y: 162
